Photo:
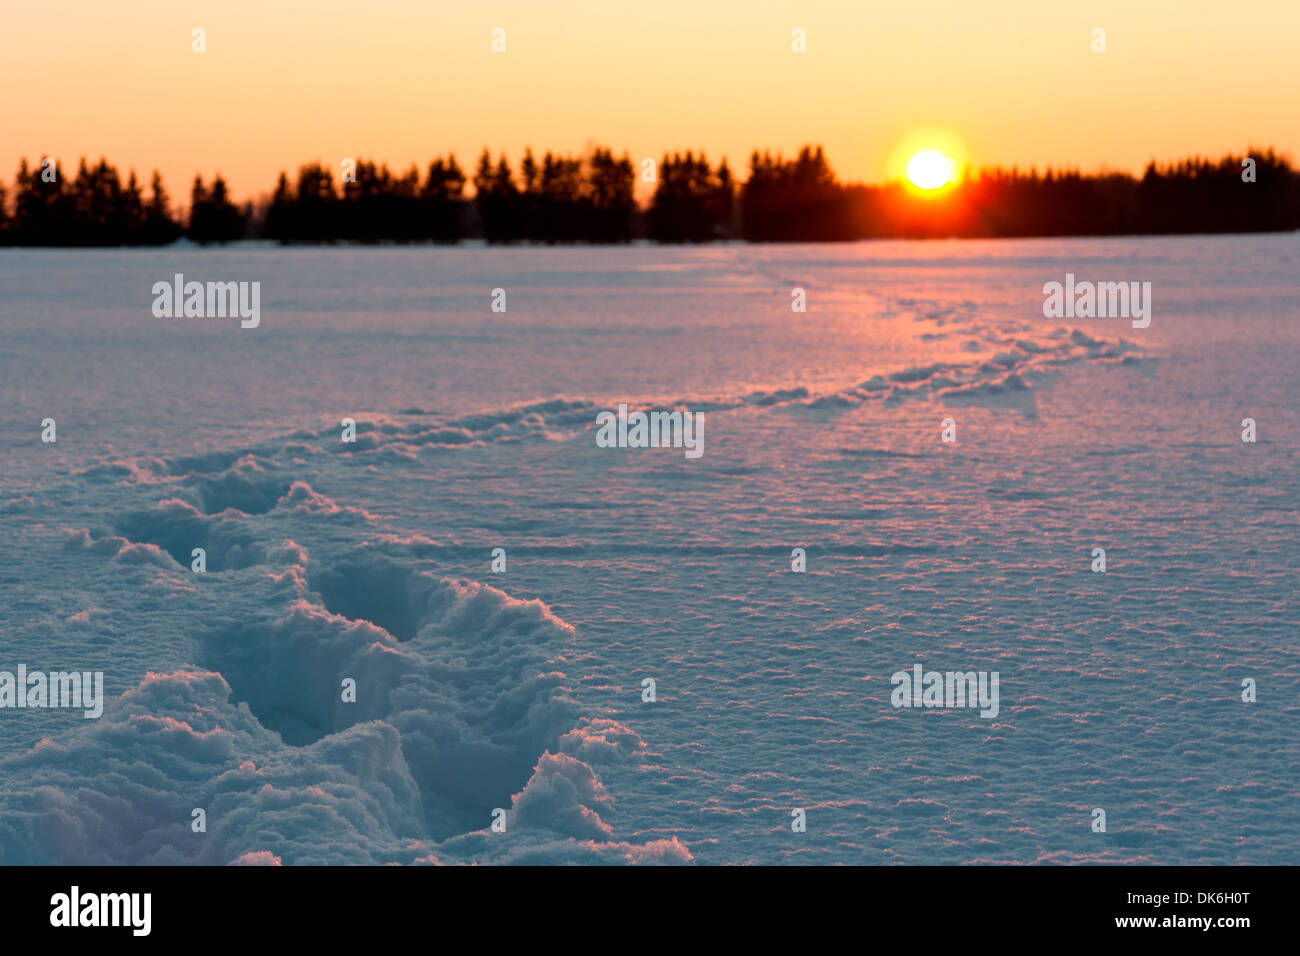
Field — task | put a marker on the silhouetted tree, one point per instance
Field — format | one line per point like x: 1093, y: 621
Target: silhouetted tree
x: 372, y: 205
x: 377, y: 205
x: 796, y: 200
x: 213, y: 217
x: 443, y: 200
x: 43, y: 214
x: 611, y: 185
x: 497, y: 199
x: 280, y: 215
x: 692, y: 202
x: 93, y: 209
x: 158, y: 227
x: 315, y: 205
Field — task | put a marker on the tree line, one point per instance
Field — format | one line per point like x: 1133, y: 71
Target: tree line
x: 1193, y: 195
x: 96, y: 207
x: 591, y: 198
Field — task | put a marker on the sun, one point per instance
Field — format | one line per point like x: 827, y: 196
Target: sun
x: 931, y: 169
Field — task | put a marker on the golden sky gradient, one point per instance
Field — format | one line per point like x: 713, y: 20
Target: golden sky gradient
x: 287, y: 81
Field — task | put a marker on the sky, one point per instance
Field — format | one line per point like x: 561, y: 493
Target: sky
x: 283, y: 83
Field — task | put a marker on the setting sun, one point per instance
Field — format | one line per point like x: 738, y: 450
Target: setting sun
x: 930, y: 169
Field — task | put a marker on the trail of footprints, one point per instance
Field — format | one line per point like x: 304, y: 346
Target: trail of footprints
x: 461, y: 670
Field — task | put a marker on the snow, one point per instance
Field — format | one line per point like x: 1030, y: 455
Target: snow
x: 523, y: 690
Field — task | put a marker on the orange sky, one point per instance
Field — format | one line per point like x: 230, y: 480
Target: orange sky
x: 286, y: 81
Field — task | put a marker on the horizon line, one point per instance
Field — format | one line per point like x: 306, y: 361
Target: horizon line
x: 970, y: 170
